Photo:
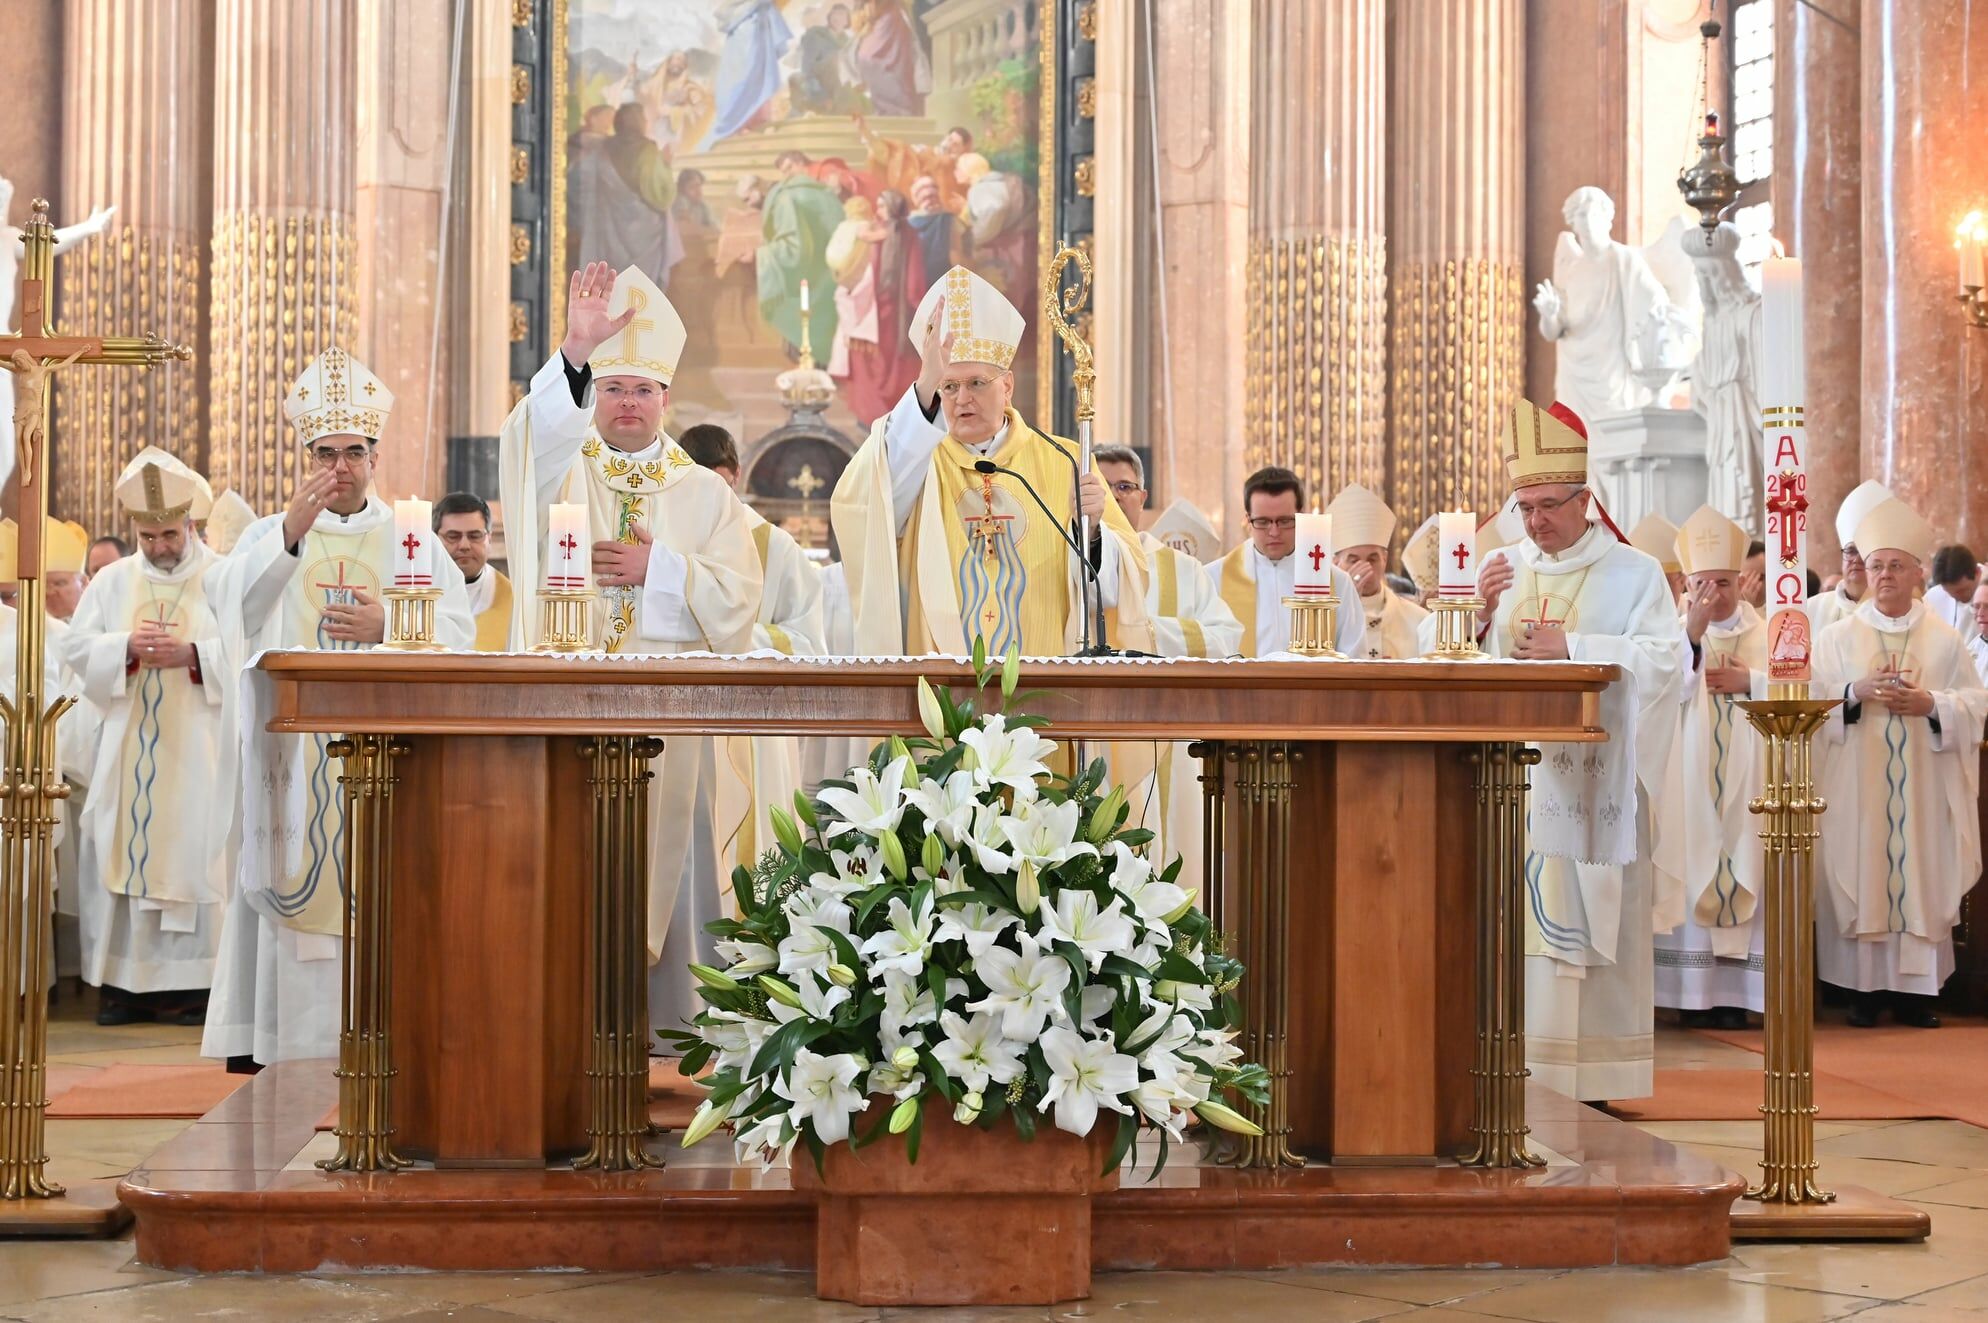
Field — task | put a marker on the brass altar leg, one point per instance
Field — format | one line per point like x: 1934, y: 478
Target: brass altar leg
x: 365, y: 1048
x: 1262, y: 927
x: 618, y: 1065
x: 1500, y: 1121
x: 28, y: 797
x: 1788, y: 808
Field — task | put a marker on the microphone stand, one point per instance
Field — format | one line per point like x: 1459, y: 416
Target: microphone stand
x: 1089, y: 581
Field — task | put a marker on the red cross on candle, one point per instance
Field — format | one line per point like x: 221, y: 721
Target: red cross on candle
x: 567, y: 544
x: 412, y: 544
x: 1317, y: 555
x: 1790, y: 501
x: 1461, y: 555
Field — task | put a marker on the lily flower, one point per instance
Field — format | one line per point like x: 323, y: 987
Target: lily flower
x: 904, y: 943
x: 1045, y: 834
x: 745, y: 958
x: 822, y: 1091
x: 1085, y: 1074
x: 989, y: 840
x: 975, y: 924
x: 818, y: 998
x: 1025, y: 987
x: 856, y: 869
x: 998, y: 756
x: 1153, y: 900
x: 1076, y: 919
x: 975, y: 1051
x: 874, y: 806
x: 907, y: 1002
x: 948, y: 807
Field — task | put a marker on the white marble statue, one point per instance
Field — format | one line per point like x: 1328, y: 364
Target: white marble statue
x: 10, y: 282
x: 1724, y: 376
x: 1604, y: 309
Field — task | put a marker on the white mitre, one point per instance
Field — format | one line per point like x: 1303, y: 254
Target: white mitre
x: 1183, y: 527
x: 985, y: 327
x: 155, y: 488
x: 337, y: 395
x: 1360, y: 518
x: 1893, y: 525
x: 1709, y: 541
x: 1868, y: 495
x: 1418, y: 557
x: 1656, y: 537
x: 228, y: 520
x: 651, y: 345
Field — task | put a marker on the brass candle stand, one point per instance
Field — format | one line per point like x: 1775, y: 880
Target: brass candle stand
x: 411, y: 620
x: 1456, y: 630
x: 565, y: 620
x: 1788, y: 1203
x: 1314, y: 626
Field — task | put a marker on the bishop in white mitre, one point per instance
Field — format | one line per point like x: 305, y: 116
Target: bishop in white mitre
x: 940, y: 552
x: 147, y: 651
x: 1901, y: 842
x: 1571, y: 589
x: 309, y: 577
x: 1362, y: 531
x: 1711, y: 964
x: 1826, y: 609
x: 1257, y: 577
x: 1656, y: 537
x: 672, y: 551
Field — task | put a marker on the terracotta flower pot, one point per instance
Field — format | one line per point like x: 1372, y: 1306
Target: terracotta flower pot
x: 983, y: 1217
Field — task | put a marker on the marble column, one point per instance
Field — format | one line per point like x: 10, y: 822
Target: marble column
x: 1316, y: 358
x: 135, y: 112
x: 402, y: 183
x: 1817, y: 201
x: 284, y: 256
x: 480, y: 251
x: 1925, y: 376
x: 1456, y: 251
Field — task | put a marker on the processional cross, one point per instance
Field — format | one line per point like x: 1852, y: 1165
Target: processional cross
x: 33, y: 784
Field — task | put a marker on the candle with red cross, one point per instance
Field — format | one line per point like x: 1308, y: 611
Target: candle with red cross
x: 1783, y: 391
x: 569, y: 554
x: 1314, y: 556
x: 413, y: 544
x: 1456, y: 556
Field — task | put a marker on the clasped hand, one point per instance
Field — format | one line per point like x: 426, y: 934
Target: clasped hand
x: 1894, y: 693
x: 363, y: 620
x: 623, y: 564
x: 152, y: 645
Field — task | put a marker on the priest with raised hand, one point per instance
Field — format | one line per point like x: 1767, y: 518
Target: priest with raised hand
x: 939, y: 551
x: 146, y: 649
x: 1825, y: 609
x: 1901, y: 842
x: 1362, y: 531
x: 309, y: 577
x: 1257, y: 576
x: 672, y: 553
x: 1711, y: 965
x: 1572, y: 589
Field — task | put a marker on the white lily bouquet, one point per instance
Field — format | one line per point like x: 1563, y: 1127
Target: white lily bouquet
x: 954, y: 926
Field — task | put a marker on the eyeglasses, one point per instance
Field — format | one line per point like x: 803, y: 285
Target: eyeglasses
x: 327, y: 458
x: 1263, y: 524
x: 1126, y: 488
x: 1548, y: 507
x: 972, y: 386
x: 1890, y: 566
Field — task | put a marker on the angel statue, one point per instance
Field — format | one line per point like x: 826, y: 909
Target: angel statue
x: 1605, y: 310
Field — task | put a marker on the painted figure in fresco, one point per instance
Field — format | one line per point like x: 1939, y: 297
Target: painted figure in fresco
x: 749, y: 77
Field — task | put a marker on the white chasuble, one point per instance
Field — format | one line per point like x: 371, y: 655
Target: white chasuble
x: 1711, y: 953
x: 276, y: 980
x: 1590, y: 840
x: 1901, y: 841
x: 153, y: 846
x: 1393, y: 627
x: 701, y: 593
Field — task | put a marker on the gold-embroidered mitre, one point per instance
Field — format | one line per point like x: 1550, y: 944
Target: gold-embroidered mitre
x: 1710, y: 541
x: 1418, y: 557
x: 337, y: 395
x: 1544, y: 446
x: 1893, y: 525
x: 155, y: 488
x: 1656, y: 537
x: 651, y: 345
x: 1868, y: 496
x: 1360, y: 518
x: 64, y: 548
x: 985, y: 327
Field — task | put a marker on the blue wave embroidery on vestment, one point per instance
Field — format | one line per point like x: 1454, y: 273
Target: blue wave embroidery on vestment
x: 144, y: 772
x: 1895, y: 778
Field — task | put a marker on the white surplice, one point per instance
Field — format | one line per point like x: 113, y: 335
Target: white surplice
x: 1714, y: 956
x: 1592, y: 850
x: 1901, y: 842
x: 276, y: 979
x: 153, y: 848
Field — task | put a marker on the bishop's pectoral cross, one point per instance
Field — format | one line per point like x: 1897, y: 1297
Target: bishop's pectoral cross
x: 27, y: 818
x: 341, y: 592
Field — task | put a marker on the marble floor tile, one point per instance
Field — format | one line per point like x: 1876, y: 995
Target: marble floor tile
x: 32, y: 1271
x: 1970, y: 1294
x: 472, y: 1288
x: 263, y: 1299
x: 1969, y: 1191
x: 1876, y: 1174
x: 122, y: 1144
x: 1875, y: 1272
x: 1937, y: 1143
x: 1640, y: 1295
x: 774, y: 1297
x: 1913, y: 1312
x: 1432, y: 1286
x: 1174, y: 1295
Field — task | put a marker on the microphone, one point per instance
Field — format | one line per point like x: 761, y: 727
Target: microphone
x: 1098, y: 649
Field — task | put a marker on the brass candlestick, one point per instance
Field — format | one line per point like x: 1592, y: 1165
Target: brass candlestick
x: 1456, y: 630
x: 565, y: 620
x: 1314, y: 626
x: 411, y: 620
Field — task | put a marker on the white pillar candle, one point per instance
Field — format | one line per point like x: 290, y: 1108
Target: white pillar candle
x: 413, y: 544
x: 1456, y: 541
x: 1783, y: 391
x: 1972, y: 240
x: 804, y: 296
x: 1314, y: 555
x: 569, y: 556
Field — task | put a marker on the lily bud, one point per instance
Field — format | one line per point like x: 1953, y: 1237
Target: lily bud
x: 1105, y: 816
x: 929, y: 713
x: 804, y: 810
x: 1167, y: 990
x: 781, y: 992
x: 905, y: 1058
x: 893, y: 852
x: 716, y: 979
x: 898, y: 748
x: 786, y: 832
x: 1223, y: 1117
x: 968, y: 1110
x: 933, y: 855
x: 1011, y: 672
x: 706, y: 1120
x: 1180, y: 912
x: 1028, y: 892
x: 903, y: 1115
x: 841, y: 975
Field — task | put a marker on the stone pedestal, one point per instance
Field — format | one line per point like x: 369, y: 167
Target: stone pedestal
x: 1648, y: 460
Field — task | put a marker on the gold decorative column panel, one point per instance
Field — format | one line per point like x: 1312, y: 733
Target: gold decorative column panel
x: 1456, y: 250
x: 136, y: 122
x: 1499, y: 1121
x: 284, y: 199
x: 1317, y: 332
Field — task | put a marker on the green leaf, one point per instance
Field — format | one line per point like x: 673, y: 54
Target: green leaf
x: 815, y: 1149
x: 873, y: 898
x: 1025, y: 1123
x: 845, y: 950
x: 916, y: 1132
x: 742, y: 889
x: 1128, y: 1130
x: 935, y: 1074
x: 777, y: 1052
x: 1122, y: 967
x: 696, y: 1059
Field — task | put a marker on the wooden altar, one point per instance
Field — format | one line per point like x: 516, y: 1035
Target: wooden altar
x: 1369, y: 814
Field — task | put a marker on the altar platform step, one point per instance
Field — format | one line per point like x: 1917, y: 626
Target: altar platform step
x: 237, y: 1192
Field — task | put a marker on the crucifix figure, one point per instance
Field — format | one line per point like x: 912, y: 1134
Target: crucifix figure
x: 27, y: 818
